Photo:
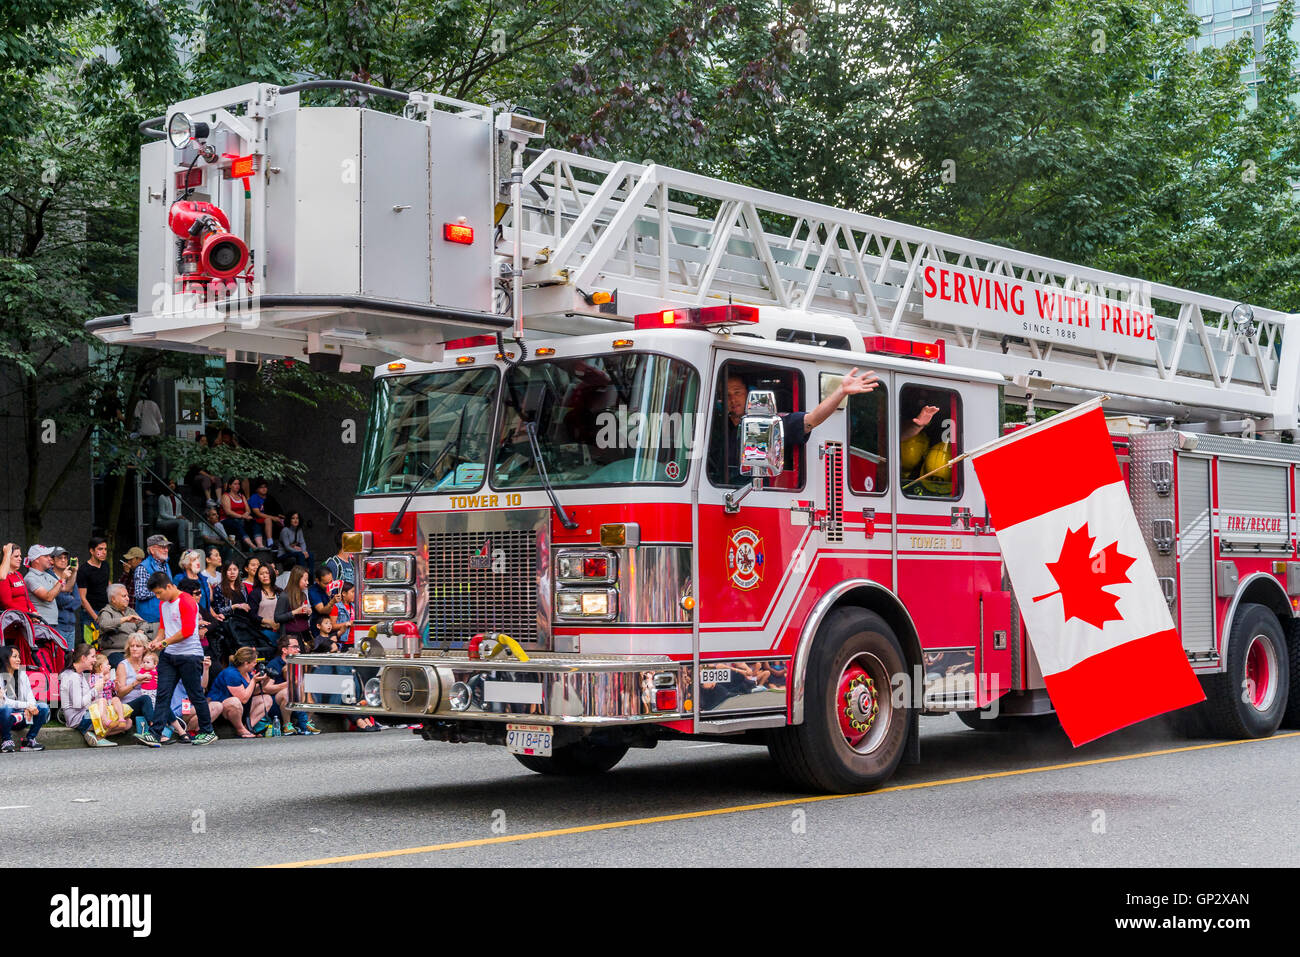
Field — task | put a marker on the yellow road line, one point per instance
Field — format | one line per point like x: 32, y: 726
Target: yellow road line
x: 737, y: 809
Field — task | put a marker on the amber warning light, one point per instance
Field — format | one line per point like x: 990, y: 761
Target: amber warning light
x: 698, y: 317
x: 458, y: 233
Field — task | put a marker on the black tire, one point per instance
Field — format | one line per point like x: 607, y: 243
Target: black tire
x: 1233, y: 706
x: 580, y: 759
x: 816, y: 755
x: 1291, y: 717
x: 976, y: 720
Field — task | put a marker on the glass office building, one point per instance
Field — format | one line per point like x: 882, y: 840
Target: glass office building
x: 1223, y: 21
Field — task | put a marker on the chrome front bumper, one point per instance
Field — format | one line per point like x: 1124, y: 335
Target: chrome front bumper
x: 554, y: 689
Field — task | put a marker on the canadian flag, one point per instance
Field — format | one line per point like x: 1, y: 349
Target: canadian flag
x: 1087, y: 590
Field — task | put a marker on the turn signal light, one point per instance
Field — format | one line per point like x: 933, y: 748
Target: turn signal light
x: 356, y: 541
x: 620, y: 535
x: 595, y: 567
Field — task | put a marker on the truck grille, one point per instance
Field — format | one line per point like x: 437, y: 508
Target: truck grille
x: 466, y: 598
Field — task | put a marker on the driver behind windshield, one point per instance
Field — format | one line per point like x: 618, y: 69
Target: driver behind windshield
x: 795, y: 426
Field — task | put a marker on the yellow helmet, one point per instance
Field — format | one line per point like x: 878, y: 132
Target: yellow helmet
x: 938, y: 458
x: 912, y: 451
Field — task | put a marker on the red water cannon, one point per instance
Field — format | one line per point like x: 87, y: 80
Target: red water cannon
x: 209, y: 250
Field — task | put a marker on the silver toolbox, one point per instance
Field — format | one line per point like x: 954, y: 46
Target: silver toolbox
x: 356, y: 201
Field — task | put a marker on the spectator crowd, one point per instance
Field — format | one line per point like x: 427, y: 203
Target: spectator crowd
x: 185, y: 633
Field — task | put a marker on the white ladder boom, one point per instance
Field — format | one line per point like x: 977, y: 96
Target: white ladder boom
x: 664, y: 236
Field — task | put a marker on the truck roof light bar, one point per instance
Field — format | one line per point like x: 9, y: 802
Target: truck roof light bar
x: 697, y: 317
x: 890, y: 346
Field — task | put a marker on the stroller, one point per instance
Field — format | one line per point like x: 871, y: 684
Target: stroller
x: 239, y: 630
x: 42, y: 650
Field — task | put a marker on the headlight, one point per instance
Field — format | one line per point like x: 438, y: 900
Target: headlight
x: 386, y: 604
x: 586, y: 566
x: 373, y: 697
x: 587, y: 604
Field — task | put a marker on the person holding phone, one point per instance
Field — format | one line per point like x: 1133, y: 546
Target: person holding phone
x: 293, y: 609
x: 67, y: 601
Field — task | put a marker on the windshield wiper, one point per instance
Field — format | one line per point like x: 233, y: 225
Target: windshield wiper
x: 567, y: 522
x: 453, y: 449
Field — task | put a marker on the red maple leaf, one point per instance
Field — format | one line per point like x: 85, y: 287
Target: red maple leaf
x: 1083, y: 576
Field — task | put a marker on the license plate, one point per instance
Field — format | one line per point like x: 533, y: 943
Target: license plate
x: 534, y: 739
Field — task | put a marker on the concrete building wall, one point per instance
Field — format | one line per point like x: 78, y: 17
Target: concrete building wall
x: 323, y: 440
x: 67, y: 521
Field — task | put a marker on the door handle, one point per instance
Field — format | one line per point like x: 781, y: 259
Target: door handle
x: 804, y: 515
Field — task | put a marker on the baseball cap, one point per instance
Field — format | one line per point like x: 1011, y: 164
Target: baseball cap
x: 135, y: 551
x: 157, y: 540
x: 38, y: 551
x: 58, y: 550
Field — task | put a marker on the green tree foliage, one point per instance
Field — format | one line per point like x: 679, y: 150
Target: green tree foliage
x: 1088, y: 130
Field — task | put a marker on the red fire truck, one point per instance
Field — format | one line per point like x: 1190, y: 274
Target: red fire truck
x: 613, y: 489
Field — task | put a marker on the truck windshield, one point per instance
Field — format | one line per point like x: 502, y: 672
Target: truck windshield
x: 600, y: 420
x: 417, y: 421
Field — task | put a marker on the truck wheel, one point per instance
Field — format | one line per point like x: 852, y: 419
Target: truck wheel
x: 1248, y: 699
x: 576, y: 760
x: 853, y: 735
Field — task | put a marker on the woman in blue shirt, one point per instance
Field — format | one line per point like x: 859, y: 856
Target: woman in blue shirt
x: 238, y: 693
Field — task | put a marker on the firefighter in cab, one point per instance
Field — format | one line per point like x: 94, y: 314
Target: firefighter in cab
x: 925, y: 449
x: 724, y: 446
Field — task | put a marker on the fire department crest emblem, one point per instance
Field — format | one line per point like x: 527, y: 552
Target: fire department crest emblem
x: 745, y: 558
x: 481, y: 560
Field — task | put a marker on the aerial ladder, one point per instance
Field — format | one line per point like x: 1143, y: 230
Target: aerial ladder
x: 349, y: 217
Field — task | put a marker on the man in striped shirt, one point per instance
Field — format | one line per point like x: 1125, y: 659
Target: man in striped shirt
x: 180, y: 659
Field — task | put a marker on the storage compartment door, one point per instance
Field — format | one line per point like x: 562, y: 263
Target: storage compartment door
x: 395, y: 208
x: 993, y: 656
x: 1195, y: 605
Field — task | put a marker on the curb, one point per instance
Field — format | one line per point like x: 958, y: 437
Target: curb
x: 58, y: 737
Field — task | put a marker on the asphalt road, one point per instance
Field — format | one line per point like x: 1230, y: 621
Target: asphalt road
x: 393, y: 799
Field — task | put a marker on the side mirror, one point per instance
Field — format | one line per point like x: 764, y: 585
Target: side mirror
x: 761, y: 442
x: 762, y: 445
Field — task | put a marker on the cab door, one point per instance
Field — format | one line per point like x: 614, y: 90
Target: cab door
x: 753, y: 561
x: 868, y: 428
x: 947, y: 560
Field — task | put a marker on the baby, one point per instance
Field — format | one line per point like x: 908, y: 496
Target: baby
x: 150, y: 683
x: 112, y: 711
